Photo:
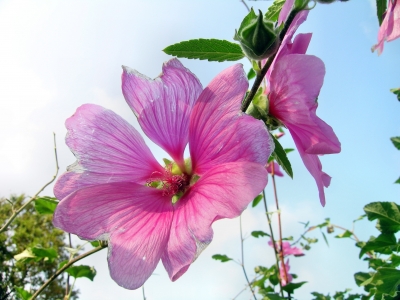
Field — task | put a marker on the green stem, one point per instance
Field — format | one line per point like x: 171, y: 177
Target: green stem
x: 66, y: 266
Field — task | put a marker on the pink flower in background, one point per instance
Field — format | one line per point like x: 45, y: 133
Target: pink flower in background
x: 277, y: 169
x: 293, y: 86
x: 284, y: 274
x: 118, y: 192
x: 390, y: 27
x: 287, y: 249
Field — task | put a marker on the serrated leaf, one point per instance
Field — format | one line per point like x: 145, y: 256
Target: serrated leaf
x: 46, y: 205
x: 257, y: 200
x: 380, y: 9
x: 291, y: 286
x: 387, y: 213
x: 362, y: 279
x: 386, y: 281
x: 280, y: 156
x: 396, y: 92
x: 273, y: 11
x: 382, y: 244
x: 23, y: 294
x: 221, y: 257
x: 345, y: 234
x: 396, y: 141
x: 210, y: 49
x: 251, y: 74
x: 82, y: 271
x: 259, y: 233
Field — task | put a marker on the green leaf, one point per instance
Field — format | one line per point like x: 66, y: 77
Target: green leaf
x: 257, y: 200
x: 251, y: 74
x: 396, y: 92
x: 221, y: 257
x: 381, y: 8
x: 25, y: 255
x: 62, y: 264
x: 395, y: 260
x: 95, y: 243
x: 396, y: 141
x: 210, y: 49
x: 258, y: 234
x: 382, y: 244
x: 359, y: 218
x: 325, y: 239
x: 45, y: 253
x: 386, y: 280
x: 397, y: 181
x: 345, y: 234
x: 361, y: 278
x: 24, y: 295
x: 291, y: 286
x: 81, y: 271
x: 319, y: 296
x: 280, y: 156
x: 387, y: 213
x: 288, y: 150
x: 273, y: 11
x: 46, y: 205
x: 273, y: 296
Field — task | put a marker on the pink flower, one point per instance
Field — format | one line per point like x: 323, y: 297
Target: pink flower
x: 294, y: 83
x: 287, y: 249
x: 390, y: 27
x: 277, y: 169
x: 284, y: 273
x: 117, y: 191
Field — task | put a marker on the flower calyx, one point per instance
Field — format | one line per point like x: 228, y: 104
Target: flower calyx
x: 258, y: 36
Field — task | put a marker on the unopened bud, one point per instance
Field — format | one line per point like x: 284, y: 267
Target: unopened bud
x: 258, y: 36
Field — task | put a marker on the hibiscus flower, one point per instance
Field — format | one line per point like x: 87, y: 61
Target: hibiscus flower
x: 117, y: 191
x: 390, y: 27
x: 293, y: 85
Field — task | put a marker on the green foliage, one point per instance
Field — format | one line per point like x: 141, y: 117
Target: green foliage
x: 337, y: 296
x: 221, y: 257
x: 23, y: 294
x: 27, y: 231
x: 280, y: 156
x: 273, y: 11
x: 345, y: 234
x: 210, y: 49
x: 396, y: 141
x: 291, y: 286
x: 257, y: 200
x: 396, y: 92
x: 258, y: 234
x: 46, y: 205
x: 251, y: 74
x: 385, y: 243
x: 387, y: 214
x: 36, y: 254
x: 82, y: 271
x: 381, y: 8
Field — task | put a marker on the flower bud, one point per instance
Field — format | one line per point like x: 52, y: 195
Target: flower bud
x: 258, y: 37
x: 325, y: 1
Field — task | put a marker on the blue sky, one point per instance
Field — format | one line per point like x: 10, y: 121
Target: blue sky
x: 57, y: 55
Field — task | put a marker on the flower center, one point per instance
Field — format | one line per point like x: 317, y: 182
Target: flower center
x: 173, y: 183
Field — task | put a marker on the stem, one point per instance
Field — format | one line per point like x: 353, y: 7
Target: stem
x: 244, y: 3
x: 273, y: 239
x: 242, y: 264
x: 14, y: 215
x: 70, y: 256
x: 144, y: 296
x: 281, y: 254
x: 260, y: 76
x: 66, y: 266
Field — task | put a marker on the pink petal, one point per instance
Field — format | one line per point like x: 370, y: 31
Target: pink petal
x: 282, y: 272
x: 293, y: 94
x: 222, y: 192
x: 163, y: 105
x: 107, y: 148
x: 390, y: 27
x: 277, y: 169
x: 289, y: 250
x: 314, y: 166
x: 219, y: 131
x: 285, y: 11
x: 133, y: 218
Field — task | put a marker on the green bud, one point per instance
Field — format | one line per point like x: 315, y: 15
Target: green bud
x: 325, y: 1
x: 258, y: 36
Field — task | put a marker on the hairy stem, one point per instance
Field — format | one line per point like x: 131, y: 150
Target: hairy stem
x: 15, y: 213
x: 272, y: 238
x: 242, y: 264
x: 66, y: 266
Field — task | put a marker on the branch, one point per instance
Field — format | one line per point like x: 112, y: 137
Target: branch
x: 14, y: 215
x: 66, y: 266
